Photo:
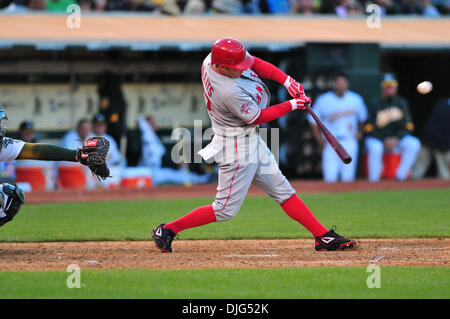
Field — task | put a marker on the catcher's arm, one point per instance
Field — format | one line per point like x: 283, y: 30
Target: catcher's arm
x: 47, y: 152
x: 90, y: 154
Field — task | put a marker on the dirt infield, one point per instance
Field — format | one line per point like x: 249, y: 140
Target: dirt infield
x: 209, y: 190
x: 221, y: 254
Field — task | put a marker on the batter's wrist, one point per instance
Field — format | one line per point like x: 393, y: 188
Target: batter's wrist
x: 293, y: 104
x: 288, y: 82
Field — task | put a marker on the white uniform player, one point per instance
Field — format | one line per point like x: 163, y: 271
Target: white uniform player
x: 237, y: 101
x: 343, y: 112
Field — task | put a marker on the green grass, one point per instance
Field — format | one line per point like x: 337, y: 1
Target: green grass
x: 414, y: 213
x: 287, y: 283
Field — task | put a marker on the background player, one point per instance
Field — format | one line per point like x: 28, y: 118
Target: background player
x: 389, y: 128
x: 11, y: 196
x: 237, y: 100
x: 343, y: 112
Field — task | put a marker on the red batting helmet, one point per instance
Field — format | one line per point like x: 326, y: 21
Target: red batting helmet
x: 231, y: 53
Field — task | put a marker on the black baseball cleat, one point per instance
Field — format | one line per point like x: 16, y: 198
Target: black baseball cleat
x: 163, y: 238
x: 333, y: 241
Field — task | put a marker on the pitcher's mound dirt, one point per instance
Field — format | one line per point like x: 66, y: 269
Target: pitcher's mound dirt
x: 190, y: 254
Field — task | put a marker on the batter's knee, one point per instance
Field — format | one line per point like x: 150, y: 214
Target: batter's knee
x: 284, y: 197
x: 223, y: 212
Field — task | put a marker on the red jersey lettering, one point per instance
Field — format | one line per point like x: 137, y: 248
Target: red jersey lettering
x: 261, y: 91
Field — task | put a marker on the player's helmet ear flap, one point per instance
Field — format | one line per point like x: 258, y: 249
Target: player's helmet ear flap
x: 231, y: 53
x: 3, y: 129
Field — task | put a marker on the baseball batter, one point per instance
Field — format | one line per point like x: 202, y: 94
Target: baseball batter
x: 11, y: 196
x: 238, y: 101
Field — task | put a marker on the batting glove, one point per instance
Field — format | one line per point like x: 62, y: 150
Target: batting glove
x: 294, y: 88
x: 300, y: 102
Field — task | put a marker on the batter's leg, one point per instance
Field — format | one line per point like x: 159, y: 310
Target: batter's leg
x: 234, y: 181
x: 269, y: 178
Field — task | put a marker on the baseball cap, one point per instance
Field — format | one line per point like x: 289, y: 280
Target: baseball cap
x: 26, y: 125
x: 389, y: 79
x: 99, y: 118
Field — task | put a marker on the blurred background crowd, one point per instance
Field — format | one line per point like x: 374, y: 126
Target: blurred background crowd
x: 340, y: 8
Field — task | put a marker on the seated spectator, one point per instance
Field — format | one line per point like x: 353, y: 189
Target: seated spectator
x: 92, y: 5
x: 279, y: 6
x: 389, y: 128
x: 131, y: 5
x: 58, y: 5
x: 26, y: 132
x: 16, y: 6
x: 74, y: 138
x: 347, y: 8
x: 194, y: 7
x: 37, y: 4
x: 428, y: 10
x: 252, y: 6
x: 99, y: 127
x: 152, y: 152
x: 100, y: 5
x: 227, y: 6
x: 387, y: 7
x: 114, y: 159
x: 305, y: 7
x: 442, y: 5
x: 435, y: 142
x: 327, y: 7
x: 409, y: 7
x: 86, y: 5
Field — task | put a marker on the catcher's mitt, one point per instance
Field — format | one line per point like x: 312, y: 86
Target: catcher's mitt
x: 96, y: 148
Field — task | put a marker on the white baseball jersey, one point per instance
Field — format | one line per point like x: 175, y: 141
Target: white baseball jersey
x: 233, y: 102
x: 340, y: 114
x: 11, y: 148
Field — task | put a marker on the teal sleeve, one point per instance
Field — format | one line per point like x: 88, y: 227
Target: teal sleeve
x: 47, y: 152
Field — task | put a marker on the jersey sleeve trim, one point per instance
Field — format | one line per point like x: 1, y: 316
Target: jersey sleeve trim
x: 255, y: 117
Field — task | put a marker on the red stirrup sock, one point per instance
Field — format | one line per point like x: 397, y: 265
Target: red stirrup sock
x: 297, y: 210
x: 200, y: 216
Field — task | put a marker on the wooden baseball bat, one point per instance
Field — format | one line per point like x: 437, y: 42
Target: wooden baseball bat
x: 341, y: 152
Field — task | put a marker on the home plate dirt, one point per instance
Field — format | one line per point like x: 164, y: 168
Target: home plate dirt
x: 194, y: 254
